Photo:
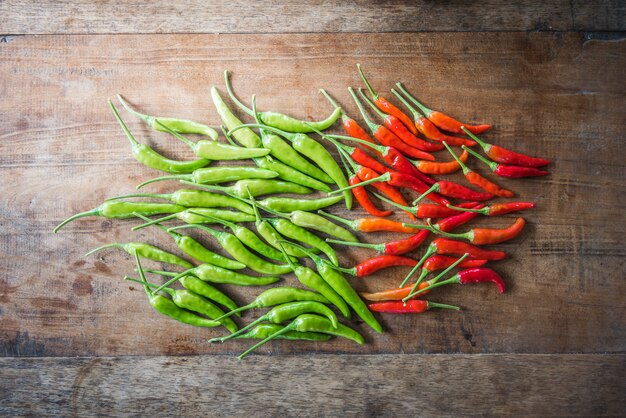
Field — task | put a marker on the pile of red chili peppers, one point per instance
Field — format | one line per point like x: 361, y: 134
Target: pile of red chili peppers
x: 396, y: 158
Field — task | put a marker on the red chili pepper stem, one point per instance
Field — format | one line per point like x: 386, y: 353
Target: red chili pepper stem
x: 378, y: 247
x: 347, y: 222
x: 442, y: 306
x: 466, y: 170
x: 399, y: 206
x: 382, y: 178
x: 373, y: 126
x: 367, y: 83
x: 492, y: 165
x: 482, y: 211
x: 433, y: 188
x: 416, y: 115
x: 413, y: 306
x: 485, y: 146
x: 372, y: 105
x: 412, y: 293
x: 414, y: 269
x: 333, y: 103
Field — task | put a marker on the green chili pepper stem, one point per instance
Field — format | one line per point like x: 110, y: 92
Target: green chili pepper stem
x: 338, y: 145
x: 175, y: 279
x: 241, y: 331
x: 433, y: 188
x: 379, y: 179
x: 375, y: 147
x: 484, y: 145
x: 414, y: 269
x: 492, y: 165
x: 337, y: 218
x: 171, y: 177
x: 132, y: 279
x: 234, y: 98
x: 466, y: 170
x: 230, y: 140
x: 373, y: 126
x: 483, y: 211
x: 102, y: 247
x: 165, y: 196
x: 93, y: 212
x: 332, y: 101
x: 142, y: 275
x: 147, y: 119
x: 156, y: 221
x: 417, y: 103
x: 372, y: 105
x: 442, y: 306
x: 317, y: 259
x: 129, y: 135
x: 178, y: 136
x: 353, y: 244
x: 271, y: 337
x: 435, y: 229
x: 346, y: 163
x: 413, y: 293
x: 416, y: 114
x: 287, y: 135
x: 391, y: 202
x: 285, y: 255
x: 367, y: 84
x: 240, y: 309
x: 225, y: 189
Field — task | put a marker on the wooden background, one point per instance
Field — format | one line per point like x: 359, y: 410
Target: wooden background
x: 548, y: 76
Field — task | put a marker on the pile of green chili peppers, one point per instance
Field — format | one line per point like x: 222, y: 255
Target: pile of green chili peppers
x: 270, y: 237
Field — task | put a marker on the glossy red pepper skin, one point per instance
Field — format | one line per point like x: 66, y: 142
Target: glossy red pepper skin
x: 441, y: 262
x: 433, y: 167
x: 397, y: 293
x: 405, y: 245
x: 504, y: 208
x: 387, y: 107
x: 411, y: 306
x: 404, y: 180
x: 515, y: 172
x: 487, y: 185
x: 355, y: 130
x: 400, y: 163
x: 504, y: 156
x: 430, y: 131
x: 365, y: 173
x: 481, y: 275
x: 450, y: 124
x: 455, y: 190
x: 429, y: 210
x: 397, y: 127
x: 361, y: 196
x: 454, y: 221
x: 389, y: 139
x: 486, y: 236
x: 372, y: 265
x: 366, y: 160
x: 446, y: 246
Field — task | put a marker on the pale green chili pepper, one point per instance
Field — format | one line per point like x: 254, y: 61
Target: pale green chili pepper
x: 188, y: 216
x: 144, y: 250
x: 262, y: 331
x: 215, y: 175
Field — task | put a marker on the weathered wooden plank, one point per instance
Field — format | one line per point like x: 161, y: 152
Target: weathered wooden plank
x: 139, y: 16
x: 61, y: 152
x: 396, y: 385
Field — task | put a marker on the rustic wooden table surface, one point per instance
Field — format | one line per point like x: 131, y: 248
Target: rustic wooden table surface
x: 76, y: 340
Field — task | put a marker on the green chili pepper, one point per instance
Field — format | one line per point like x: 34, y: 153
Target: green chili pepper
x: 285, y: 312
x: 202, y: 288
x: 182, y: 126
x: 312, y: 149
x: 277, y: 296
x: 150, y: 158
x: 257, y: 187
x: 319, y: 223
x: 215, y: 274
x: 198, y: 251
x: 311, y: 279
x: 239, y: 252
x: 339, y: 283
x: 282, y: 121
x: 146, y: 251
x: 124, y: 210
x: 245, y: 137
x: 263, y: 331
x: 311, y: 323
x: 192, y: 216
x: 167, y: 307
x: 288, y: 204
x: 249, y: 238
x: 194, y: 199
x: 215, y: 175
x: 193, y: 302
x: 288, y: 173
x: 295, y: 232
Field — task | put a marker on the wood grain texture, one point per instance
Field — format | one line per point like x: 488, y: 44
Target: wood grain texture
x: 61, y: 152
x: 424, y: 385
x: 161, y: 16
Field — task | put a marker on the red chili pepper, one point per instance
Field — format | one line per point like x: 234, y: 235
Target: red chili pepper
x: 470, y: 276
x: 374, y: 224
x: 384, y: 105
x: 509, y: 171
x: 485, y: 236
x: 427, y: 128
x: 351, y: 126
x: 434, y: 263
x: 397, y: 179
x: 400, y: 130
x: 497, y: 208
x: 360, y: 194
x: 503, y: 155
x: 367, y: 174
x: 412, y: 306
x: 448, y: 246
x: 388, y: 138
x: 374, y: 264
x: 430, y: 167
x: 452, y: 222
x: 451, y: 189
x: 444, y: 121
x: 478, y: 180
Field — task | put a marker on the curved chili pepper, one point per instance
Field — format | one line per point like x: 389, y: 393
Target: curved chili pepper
x: 399, y: 247
x: 448, y: 167
x: 444, y: 121
x: 452, y: 222
x: 478, y: 180
x: 451, y: 189
x: 400, y: 130
x: 366, y: 174
x: 427, y: 128
x: 388, y: 138
x: 412, y: 306
x: 497, y: 208
x: 448, y: 246
x: 360, y: 194
x: 503, y: 155
x: 470, y: 276
x: 374, y: 224
x: 374, y: 264
x: 384, y: 105
x: 509, y: 171
x: 485, y: 236
x: 351, y: 126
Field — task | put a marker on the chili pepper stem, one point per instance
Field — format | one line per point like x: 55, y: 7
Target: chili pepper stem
x: 491, y: 164
x: 234, y: 98
x: 413, y: 111
x: 142, y: 275
x: 464, y: 168
x: 174, y: 279
x: 375, y: 147
x: 433, y: 188
x: 234, y: 311
x: 132, y: 279
x: 241, y: 331
x: 152, y: 195
x: 379, y: 179
x: 353, y: 244
x: 130, y: 136
x: 442, y: 306
x: 367, y: 84
x: 419, y: 264
x: 93, y: 212
x: 391, y: 202
x: 147, y: 119
x: 287, y: 135
x: 172, y: 177
x: 483, y: 211
x: 336, y: 218
x: 436, y: 283
x: 372, y: 105
x: 228, y: 137
x: 369, y: 123
x: 423, y: 108
x: 271, y: 337
x: 479, y: 141
x: 102, y: 247
x: 156, y: 221
x: 176, y: 135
